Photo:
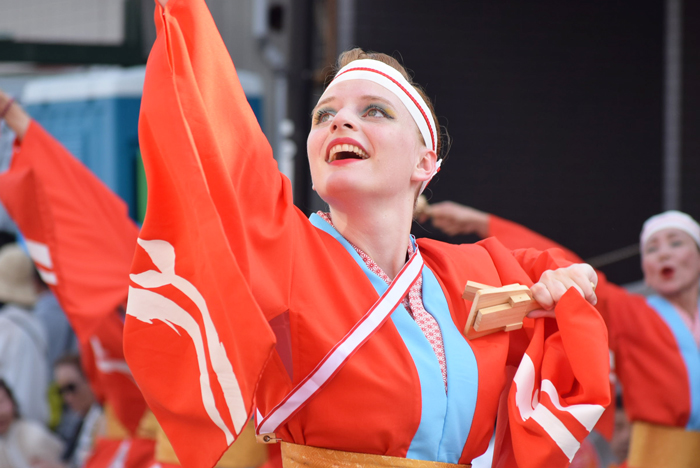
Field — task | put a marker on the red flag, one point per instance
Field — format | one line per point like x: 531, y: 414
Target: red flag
x: 560, y: 388
x: 103, y: 360
x: 196, y: 340
x: 82, y: 241
x: 78, y: 232
x: 132, y: 453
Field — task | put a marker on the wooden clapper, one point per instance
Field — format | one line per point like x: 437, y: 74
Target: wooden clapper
x: 496, y: 309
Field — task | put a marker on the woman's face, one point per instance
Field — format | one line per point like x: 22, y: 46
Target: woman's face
x: 363, y: 141
x: 7, y: 412
x: 74, y: 388
x: 671, y: 262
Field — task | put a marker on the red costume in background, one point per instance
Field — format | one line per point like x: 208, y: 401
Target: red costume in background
x: 656, y: 358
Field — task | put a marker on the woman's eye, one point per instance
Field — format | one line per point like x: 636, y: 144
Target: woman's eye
x: 375, y: 111
x: 322, y: 115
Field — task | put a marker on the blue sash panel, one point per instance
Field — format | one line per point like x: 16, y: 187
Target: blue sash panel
x: 689, y: 352
x: 446, y: 418
x: 462, y: 373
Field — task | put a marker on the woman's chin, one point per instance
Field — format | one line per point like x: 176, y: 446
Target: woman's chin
x: 343, y: 189
x: 667, y: 288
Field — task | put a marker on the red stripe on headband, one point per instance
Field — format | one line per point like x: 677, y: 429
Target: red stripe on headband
x: 418, y: 106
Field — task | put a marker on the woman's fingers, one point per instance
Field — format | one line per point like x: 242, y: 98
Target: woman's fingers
x: 553, y: 284
x: 541, y: 293
x: 541, y: 313
x: 592, y: 278
x: 585, y: 279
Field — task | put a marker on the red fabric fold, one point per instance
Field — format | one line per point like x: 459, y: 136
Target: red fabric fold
x: 189, y: 293
x: 81, y: 240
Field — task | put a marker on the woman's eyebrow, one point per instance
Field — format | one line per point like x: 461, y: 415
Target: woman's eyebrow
x: 365, y: 97
x: 324, y: 101
x: 370, y: 97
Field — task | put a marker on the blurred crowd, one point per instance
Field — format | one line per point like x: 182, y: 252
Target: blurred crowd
x: 48, y: 413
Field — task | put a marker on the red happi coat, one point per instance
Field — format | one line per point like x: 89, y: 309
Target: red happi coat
x: 658, y: 381
x: 81, y: 240
x: 236, y: 296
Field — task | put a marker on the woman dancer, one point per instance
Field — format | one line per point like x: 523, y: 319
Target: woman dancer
x: 654, y: 340
x: 414, y: 392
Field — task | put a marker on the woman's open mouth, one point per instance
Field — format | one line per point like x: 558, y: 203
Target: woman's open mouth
x: 667, y: 273
x: 345, y: 151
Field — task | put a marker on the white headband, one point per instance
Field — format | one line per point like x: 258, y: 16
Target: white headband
x: 391, y: 79
x: 670, y: 219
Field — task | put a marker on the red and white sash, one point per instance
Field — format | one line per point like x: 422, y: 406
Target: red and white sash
x: 331, y: 364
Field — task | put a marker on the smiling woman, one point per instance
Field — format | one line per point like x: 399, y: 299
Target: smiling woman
x: 346, y: 332
x: 373, y: 141
x: 654, y: 340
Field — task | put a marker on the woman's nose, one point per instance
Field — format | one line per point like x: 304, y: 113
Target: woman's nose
x: 664, y: 252
x: 342, y: 120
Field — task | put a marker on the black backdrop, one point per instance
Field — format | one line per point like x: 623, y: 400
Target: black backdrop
x: 691, y: 108
x: 555, y: 110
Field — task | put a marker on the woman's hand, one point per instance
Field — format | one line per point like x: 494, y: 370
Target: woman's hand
x: 453, y: 219
x: 15, y: 117
x: 553, y: 284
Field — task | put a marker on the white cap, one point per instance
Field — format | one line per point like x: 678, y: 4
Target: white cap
x: 670, y: 219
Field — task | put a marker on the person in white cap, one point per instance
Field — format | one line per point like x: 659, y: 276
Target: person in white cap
x: 655, y: 340
x: 23, y: 341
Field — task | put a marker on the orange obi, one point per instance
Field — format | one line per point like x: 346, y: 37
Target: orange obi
x: 299, y: 456
x: 655, y: 446
x: 245, y: 452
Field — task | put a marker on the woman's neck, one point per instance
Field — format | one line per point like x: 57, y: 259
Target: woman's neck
x: 686, y: 300
x: 383, y: 234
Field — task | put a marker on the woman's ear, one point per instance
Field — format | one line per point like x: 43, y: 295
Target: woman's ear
x: 425, y: 167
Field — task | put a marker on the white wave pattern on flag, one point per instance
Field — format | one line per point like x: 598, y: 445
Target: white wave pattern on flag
x: 41, y: 255
x: 104, y: 362
x: 147, y: 306
x: 119, y: 459
x: 527, y: 401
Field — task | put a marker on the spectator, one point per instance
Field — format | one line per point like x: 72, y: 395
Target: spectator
x: 77, y: 394
x: 23, y: 443
x: 23, y: 343
x: 61, y: 338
